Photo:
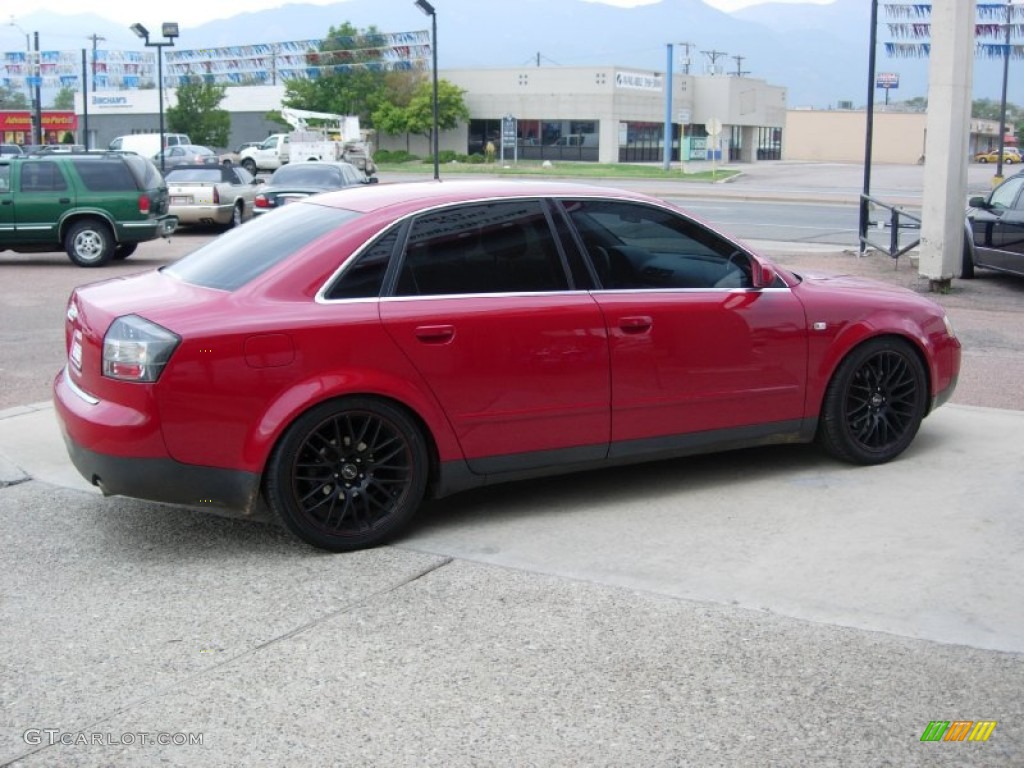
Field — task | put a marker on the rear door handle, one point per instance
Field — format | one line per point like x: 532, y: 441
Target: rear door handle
x: 435, y: 334
x: 635, y: 324
x: 64, y: 200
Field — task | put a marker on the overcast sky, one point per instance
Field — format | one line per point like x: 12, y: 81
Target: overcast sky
x: 195, y: 12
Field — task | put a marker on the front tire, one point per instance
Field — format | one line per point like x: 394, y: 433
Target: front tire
x: 348, y: 474
x: 89, y: 243
x: 966, y: 262
x: 875, y: 403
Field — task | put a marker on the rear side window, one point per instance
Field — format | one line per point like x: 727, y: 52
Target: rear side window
x: 502, y: 247
x: 105, y: 176
x: 244, y: 253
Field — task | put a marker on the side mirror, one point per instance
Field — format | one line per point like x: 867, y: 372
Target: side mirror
x: 978, y: 202
x: 763, y: 275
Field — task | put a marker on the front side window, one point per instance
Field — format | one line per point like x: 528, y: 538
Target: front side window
x: 501, y: 247
x: 635, y: 246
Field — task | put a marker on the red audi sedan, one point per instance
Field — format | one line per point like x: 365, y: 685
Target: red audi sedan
x: 341, y: 358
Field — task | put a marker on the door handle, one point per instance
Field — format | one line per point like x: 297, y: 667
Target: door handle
x: 635, y: 324
x: 64, y: 200
x: 435, y: 334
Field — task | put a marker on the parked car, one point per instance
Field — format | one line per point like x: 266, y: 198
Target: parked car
x: 10, y: 150
x: 994, y: 237
x: 298, y: 180
x: 1011, y: 155
x: 358, y: 350
x: 184, y: 154
x: 215, y: 194
x: 95, y: 206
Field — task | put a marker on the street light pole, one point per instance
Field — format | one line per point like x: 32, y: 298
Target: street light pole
x: 428, y: 9
x: 169, y: 31
x: 1006, y: 76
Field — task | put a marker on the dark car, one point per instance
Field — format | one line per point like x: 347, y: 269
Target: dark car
x: 359, y: 350
x: 994, y: 236
x: 298, y: 180
x: 184, y: 154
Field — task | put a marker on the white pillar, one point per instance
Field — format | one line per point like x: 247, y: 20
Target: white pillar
x: 950, y: 74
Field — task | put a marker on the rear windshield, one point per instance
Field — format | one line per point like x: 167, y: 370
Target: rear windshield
x: 244, y: 253
x: 195, y: 174
x: 145, y: 172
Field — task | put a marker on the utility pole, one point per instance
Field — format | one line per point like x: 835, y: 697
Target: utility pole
x: 739, y: 61
x: 95, y: 39
x: 714, y: 56
x: 686, y: 56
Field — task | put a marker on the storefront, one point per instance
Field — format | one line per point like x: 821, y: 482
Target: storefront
x: 59, y: 127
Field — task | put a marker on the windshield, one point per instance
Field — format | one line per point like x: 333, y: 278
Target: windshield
x: 244, y: 253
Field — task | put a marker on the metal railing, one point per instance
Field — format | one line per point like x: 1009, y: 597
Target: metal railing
x: 899, y: 219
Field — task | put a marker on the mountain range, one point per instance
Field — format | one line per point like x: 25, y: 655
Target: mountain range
x: 818, y: 52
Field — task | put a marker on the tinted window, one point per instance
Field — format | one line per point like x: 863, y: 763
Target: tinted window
x: 364, y: 278
x: 483, y: 248
x: 244, y: 253
x: 145, y: 172
x: 635, y: 246
x: 307, y: 175
x: 42, y: 177
x: 104, y: 176
x: 5, y: 178
x: 1006, y: 193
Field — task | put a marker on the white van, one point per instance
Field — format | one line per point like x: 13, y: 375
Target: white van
x: 147, y: 144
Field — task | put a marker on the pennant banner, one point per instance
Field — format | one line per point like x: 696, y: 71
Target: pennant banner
x: 233, y: 65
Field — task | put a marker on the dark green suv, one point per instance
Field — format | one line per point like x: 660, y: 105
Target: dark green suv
x: 96, y: 206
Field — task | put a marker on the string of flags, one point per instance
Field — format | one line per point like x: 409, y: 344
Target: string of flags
x: 913, y: 24
x: 230, y: 65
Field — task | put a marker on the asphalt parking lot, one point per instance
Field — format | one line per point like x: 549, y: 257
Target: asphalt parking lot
x: 762, y: 607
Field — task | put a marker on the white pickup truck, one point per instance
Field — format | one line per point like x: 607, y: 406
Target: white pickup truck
x: 337, y: 137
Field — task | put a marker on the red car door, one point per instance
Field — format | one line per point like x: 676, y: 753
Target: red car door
x: 694, y: 349
x: 519, y: 362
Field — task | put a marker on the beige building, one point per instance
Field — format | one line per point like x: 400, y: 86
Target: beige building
x: 610, y: 114
x: 838, y: 136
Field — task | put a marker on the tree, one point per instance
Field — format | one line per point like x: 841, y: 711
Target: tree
x: 64, y: 98
x: 418, y: 116
x: 12, y: 99
x: 355, y: 90
x: 198, y: 113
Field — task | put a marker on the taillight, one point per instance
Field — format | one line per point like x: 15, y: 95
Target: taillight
x: 261, y: 202
x: 144, y: 203
x: 216, y: 196
x: 134, y: 349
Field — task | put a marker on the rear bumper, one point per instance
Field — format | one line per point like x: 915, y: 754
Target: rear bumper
x: 88, y: 423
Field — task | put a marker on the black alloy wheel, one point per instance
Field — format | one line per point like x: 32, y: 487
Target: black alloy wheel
x: 348, y: 474
x: 875, y: 403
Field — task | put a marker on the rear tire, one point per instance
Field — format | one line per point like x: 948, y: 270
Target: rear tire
x: 250, y: 165
x: 237, y: 216
x: 89, y: 243
x: 348, y: 474
x: 966, y: 262
x: 875, y: 403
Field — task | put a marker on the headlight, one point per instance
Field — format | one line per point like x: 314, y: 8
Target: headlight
x: 135, y: 349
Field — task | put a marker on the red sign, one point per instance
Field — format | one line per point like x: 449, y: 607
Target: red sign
x: 52, y: 121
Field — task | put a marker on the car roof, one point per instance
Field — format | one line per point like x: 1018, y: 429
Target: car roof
x: 418, y: 195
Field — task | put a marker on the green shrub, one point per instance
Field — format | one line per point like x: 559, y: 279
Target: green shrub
x: 477, y: 159
x: 393, y: 156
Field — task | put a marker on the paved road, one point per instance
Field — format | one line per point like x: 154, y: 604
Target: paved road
x: 766, y: 607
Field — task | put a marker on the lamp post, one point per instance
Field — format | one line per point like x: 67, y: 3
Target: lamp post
x: 169, y: 31
x: 1006, y: 77
x: 428, y: 9
x: 33, y: 96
